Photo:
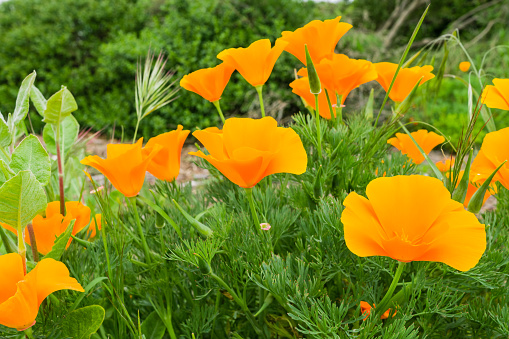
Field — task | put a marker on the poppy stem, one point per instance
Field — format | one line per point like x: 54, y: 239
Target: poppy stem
x: 28, y: 333
x: 22, y: 250
x: 318, y: 130
x: 383, y: 305
x: 249, y: 193
x: 262, y: 108
x: 140, y: 231
x: 332, y: 112
x: 218, y: 107
x: 136, y: 131
x: 33, y: 243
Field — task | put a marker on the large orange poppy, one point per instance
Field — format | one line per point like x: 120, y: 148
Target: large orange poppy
x: 21, y: 295
x: 208, y: 82
x: 493, y: 153
x: 496, y: 95
x: 321, y: 37
x: 247, y: 150
x: 254, y: 63
x: 405, y: 81
x: 124, y: 166
x: 426, y: 140
x: 412, y: 218
x: 165, y: 165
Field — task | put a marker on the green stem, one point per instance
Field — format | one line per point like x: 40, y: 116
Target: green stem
x: 262, y: 108
x: 332, y: 113
x: 28, y: 333
x: 240, y: 302
x: 140, y: 231
x: 136, y: 130
x: 218, y: 107
x: 60, y: 171
x: 339, y: 107
x: 249, y: 193
x: 318, y: 129
x: 33, y: 242
x: 22, y: 250
x: 283, y: 185
x: 9, y: 245
x: 383, y: 305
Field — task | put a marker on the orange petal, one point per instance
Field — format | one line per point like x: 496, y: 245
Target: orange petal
x: 301, y: 88
x: 208, y: 82
x: 11, y: 268
x: 426, y: 140
x: 20, y: 310
x: 405, y: 81
x: 464, y: 66
x: 497, y: 96
x: 46, y: 230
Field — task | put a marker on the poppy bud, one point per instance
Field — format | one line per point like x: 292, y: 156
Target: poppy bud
x: 477, y: 199
x: 314, y: 81
x: 203, y: 229
x: 204, y: 266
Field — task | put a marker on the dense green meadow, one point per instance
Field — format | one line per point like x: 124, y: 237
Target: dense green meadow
x: 323, y: 214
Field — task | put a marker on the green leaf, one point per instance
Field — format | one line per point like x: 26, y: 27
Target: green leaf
x: 5, y: 134
x: 368, y: 110
x: 84, y: 322
x: 153, y: 327
x: 38, y: 100
x: 69, y: 129
x: 22, y: 103
x: 59, y: 106
x: 60, y: 243
x: 163, y: 214
x: 476, y: 201
x: 88, y: 288
x: 203, y: 229
x: 22, y: 199
x: 31, y: 155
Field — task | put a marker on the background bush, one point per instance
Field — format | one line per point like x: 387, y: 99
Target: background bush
x: 92, y: 47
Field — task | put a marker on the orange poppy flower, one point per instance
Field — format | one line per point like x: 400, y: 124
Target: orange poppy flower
x: 445, y: 165
x: 412, y: 218
x: 92, y: 231
x: 301, y: 88
x: 248, y: 150
x: 464, y: 66
x: 47, y: 229
x: 208, y: 82
x: 124, y: 166
x: 496, y: 96
x: 426, y: 140
x: 321, y: 37
x: 406, y: 80
x: 254, y: 63
x: 493, y: 152
x: 340, y: 74
x: 21, y: 295
x: 165, y: 165
x: 366, y: 310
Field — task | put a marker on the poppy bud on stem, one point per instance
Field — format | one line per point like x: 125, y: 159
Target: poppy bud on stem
x: 315, y: 88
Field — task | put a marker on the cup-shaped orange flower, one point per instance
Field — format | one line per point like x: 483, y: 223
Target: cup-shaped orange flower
x: 48, y: 228
x: 464, y: 66
x: 493, y: 153
x: 341, y: 75
x: 165, y: 165
x: 92, y: 229
x: 301, y: 88
x: 321, y: 37
x: 412, y: 218
x: 405, y: 81
x: 247, y: 150
x: 366, y: 310
x: 254, y: 63
x: 496, y: 95
x: 125, y: 166
x: 426, y: 140
x: 445, y: 165
x: 21, y: 295
x: 209, y: 83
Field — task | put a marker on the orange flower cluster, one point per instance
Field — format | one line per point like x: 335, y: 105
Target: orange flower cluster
x: 426, y: 140
x: 125, y: 164
x: 21, y: 295
x: 412, y: 218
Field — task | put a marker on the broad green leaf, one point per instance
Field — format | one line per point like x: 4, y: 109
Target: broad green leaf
x: 5, y: 172
x: 84, y: 322
x: 5, y: 134
x: 38, y: 100
x: 59, y: 106
x: 22, y: 198
x: 153, y: 327
x: 60, y: 243
x: 69, y: 129
x: 22, y: 103
x: 31, y: 155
